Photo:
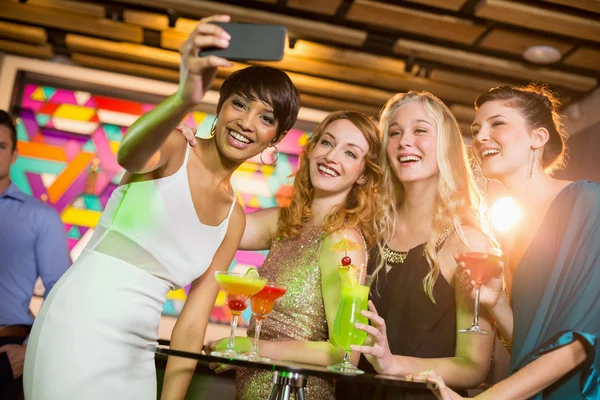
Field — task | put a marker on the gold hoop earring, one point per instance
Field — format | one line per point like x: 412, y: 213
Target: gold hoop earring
x: 275, y: 158
x: 213, y: 129
x: 531, y: 163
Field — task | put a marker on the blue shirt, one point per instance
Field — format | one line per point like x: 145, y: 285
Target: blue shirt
x: 32, y: 243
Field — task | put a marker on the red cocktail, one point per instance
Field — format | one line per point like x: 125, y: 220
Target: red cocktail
x: 262, y: 305
x: 482, y: 263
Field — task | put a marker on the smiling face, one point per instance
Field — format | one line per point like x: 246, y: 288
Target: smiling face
x: 502, y: 141
x: 244, y: 128
x: 337, y: 161
x: 412, y: 143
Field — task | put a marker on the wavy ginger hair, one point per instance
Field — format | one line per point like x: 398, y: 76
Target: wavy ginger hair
x: 363, y: 208
x: 459, y: 201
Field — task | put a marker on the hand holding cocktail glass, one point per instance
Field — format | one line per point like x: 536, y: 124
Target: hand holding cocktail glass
x: 376, y: 347
x: 353, y: 300
x: 490, y: 291
x: 480, y: 272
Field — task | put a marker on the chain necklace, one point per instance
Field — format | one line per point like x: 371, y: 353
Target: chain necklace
x: 398, y: 257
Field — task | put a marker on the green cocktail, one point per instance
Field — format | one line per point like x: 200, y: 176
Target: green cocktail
x: 354, y: 299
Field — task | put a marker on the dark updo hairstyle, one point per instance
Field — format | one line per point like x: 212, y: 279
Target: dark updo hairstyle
x: 539, y: 107
x: 269, y: 85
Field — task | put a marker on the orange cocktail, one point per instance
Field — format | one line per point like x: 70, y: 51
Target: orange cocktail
x: 239, y: 287
x: 262, y: 304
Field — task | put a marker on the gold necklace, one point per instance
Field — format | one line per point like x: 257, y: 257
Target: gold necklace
x: 393, y: 256
x: 398, y: 257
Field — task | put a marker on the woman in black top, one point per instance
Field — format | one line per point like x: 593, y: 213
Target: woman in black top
x: 434, y: 213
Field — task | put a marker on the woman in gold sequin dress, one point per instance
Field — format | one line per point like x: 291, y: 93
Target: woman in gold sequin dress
x: 335, y: 195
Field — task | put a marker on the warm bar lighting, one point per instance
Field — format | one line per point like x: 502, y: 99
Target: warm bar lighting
x: 504, y: 214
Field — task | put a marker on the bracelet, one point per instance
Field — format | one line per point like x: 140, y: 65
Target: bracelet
x: 506, y: 343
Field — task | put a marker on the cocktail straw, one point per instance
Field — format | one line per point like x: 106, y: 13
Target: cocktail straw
x: 361, y: 273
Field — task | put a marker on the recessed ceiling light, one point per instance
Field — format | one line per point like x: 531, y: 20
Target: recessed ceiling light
x: 542, y: 54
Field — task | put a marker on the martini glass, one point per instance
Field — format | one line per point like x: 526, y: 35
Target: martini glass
x: 239, y: 288
x: 262, y: 304
x: 482, y: 262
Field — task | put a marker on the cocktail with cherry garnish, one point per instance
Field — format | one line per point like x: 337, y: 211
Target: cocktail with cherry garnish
x: 262, y: 304
x: 353, y: 300
x: 239, y: 288
x: 482, y: 263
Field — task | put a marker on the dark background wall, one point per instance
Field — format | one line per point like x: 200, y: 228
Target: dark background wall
x: 584, y: 156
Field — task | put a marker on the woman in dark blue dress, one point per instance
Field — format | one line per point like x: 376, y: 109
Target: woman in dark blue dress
x: 550, y: 320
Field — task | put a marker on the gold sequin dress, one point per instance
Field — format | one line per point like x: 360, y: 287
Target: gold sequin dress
x: 299, y: 315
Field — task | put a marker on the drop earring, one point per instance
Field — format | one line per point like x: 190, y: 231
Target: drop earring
x: 531, y: 164
x: 275, y: 158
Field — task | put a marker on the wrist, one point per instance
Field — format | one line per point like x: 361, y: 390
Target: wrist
x: 500, y: 304
x: 397, y: 367
x: 182, y: 102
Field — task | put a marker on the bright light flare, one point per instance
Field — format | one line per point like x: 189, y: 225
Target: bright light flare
x: 504, y: 214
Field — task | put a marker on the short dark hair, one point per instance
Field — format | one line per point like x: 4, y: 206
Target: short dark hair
x: 267, y: 84
x: 6, y: 120
x: 539, y: 106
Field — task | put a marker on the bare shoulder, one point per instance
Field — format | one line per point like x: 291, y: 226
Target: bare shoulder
x: 350, y: 234
x: 237, y: 221
x: 358, y: 254
x: 471, y: 235
x: 173, y: 154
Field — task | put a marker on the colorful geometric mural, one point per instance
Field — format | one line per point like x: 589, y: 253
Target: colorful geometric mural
x: 68, y: 141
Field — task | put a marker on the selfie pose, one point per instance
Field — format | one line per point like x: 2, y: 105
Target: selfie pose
x: 173, y: 220
x: 551, y: 320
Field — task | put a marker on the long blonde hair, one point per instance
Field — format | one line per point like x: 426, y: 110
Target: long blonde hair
x: 458, y: 200
x: 363, y: 208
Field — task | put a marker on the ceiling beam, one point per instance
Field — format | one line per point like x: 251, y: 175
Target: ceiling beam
x: 44, y: 51
x: 588, y: 5
x: 79, y: 7
x: 23, y: 33
x: 494, y: 65
x: 59, y: 19
x: 535, y: 17
x: 419, y: 22
x: 298, y: 27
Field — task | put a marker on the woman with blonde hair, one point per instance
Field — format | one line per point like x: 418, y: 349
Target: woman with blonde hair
x: 435, y: 211
x: 337, y: 193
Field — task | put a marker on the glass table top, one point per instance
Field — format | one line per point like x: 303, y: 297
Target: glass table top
x: 295, y: 367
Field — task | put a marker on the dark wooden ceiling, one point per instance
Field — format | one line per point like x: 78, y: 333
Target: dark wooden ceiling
x: 346, y: 53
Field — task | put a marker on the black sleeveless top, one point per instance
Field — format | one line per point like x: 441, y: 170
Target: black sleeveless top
x: 416, y: 327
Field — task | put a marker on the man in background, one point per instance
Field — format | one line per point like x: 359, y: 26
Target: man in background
x: 32, y: 244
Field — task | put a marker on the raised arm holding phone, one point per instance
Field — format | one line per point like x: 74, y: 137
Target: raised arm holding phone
x: 174, y: 220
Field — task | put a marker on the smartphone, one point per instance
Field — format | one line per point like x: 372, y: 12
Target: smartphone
x: 251, y: 42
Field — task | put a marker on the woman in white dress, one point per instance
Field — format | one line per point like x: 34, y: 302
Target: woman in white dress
x: 174, y: 220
